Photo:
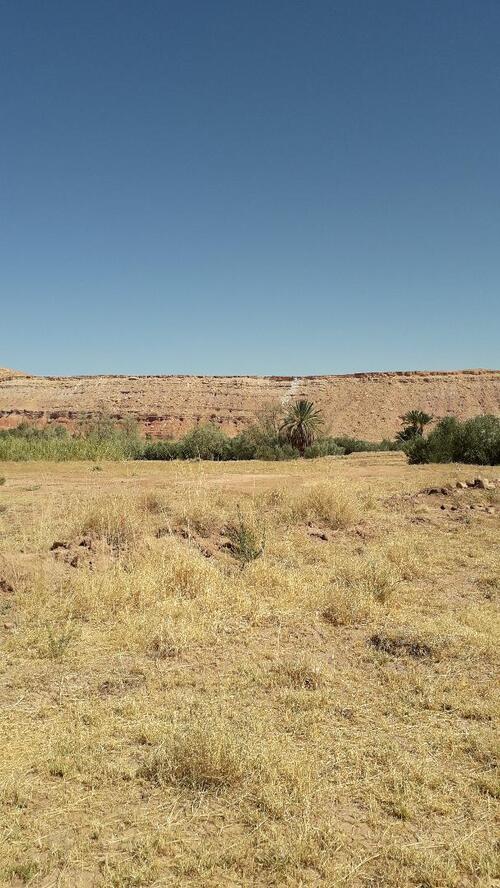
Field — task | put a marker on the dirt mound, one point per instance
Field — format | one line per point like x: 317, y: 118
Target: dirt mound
x: 5, y: 373
x: 365, y: 405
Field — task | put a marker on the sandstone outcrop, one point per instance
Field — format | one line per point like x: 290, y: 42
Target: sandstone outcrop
x: 365, y: 405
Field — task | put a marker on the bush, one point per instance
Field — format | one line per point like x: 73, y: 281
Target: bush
x: 357, y: 445
x: 205, y: 442
x: 329, y: 503
x: 418, y: 450
x: 206, y: 753
x: 479, y: 441
x: 100, y: 439
x: 276, y: 451
x: 244, y: 446
x: 475, y: 441
x: 263, y: 440
x: 163, y: 450
x: 323, y: 447
x: 442, y: 445
x: 247, y: 542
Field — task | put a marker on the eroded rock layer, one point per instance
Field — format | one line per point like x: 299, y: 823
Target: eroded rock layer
x: 366, y: 405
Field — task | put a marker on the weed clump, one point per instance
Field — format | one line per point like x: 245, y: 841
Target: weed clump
x: 329, y: 503
x: 115, y: 523
x: 397, y: 645
x: 246, y: 542
x: 57, y: 641
x: 299, y: 675
x: 357, y: 589
x: 201, y: 754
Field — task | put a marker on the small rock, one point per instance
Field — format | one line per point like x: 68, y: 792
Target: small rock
x: 9, y: 626
x: 483, y: 484
x: 490, y: 510
x: 59, y: 545
x: 462, y: 485
x: 319, y: 535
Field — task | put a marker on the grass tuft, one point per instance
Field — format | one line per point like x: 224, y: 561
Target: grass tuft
x: 204, y: 753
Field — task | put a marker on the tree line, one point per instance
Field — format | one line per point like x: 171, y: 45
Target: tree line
x: 294, y: 432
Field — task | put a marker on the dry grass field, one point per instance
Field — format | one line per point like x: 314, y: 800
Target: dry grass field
x: 248, y: 674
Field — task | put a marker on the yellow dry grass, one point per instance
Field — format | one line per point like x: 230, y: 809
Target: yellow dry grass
x: 322, y: 715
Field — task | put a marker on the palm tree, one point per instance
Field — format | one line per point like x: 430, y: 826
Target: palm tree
x: 301, y: 425
x: 414, y: 421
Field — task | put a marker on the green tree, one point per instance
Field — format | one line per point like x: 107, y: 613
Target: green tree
x: 301, y: 425
x: 414, y: 423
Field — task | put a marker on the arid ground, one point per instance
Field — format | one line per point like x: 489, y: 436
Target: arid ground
x: 248, y: 674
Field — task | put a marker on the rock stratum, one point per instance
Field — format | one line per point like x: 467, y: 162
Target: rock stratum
x: 365, y: 405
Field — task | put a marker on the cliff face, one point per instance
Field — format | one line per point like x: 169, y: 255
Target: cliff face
x: 365, y: 405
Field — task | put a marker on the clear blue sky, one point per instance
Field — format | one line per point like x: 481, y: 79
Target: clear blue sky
x: 264, y: 186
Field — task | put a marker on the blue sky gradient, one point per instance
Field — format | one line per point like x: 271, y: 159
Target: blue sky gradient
x: 271, y: 187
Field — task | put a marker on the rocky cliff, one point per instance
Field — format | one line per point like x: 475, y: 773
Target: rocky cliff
x: 367, y: 405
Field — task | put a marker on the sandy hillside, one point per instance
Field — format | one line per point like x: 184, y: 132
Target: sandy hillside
x: 6, y: 373
x: 367, y: 405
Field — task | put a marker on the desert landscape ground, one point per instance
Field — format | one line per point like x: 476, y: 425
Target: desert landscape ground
x: 267, y: 674
x: 364, y: 405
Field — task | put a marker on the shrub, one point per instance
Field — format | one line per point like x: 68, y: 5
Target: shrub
x: 444, y: 441
x: 58, y: 642
x: 347, y: 606
x: 358, y: 445
x: 114, y: 522
x: 298, y: 674
x: 246, y: 542
x: 276, y: 451
x: 358, y: 588
x: 164, y: 450
x: 99, y: 439
x: 323, y: 447
x: 332, y: 504
x: 479, y: 441
x: 418, y: 450
x: 205, y: 442
x: 244, y: 446
x: 207, y: 753
x: 264, y: 439
x: 475, y: 441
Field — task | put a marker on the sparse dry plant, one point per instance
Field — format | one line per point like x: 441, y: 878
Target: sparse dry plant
x: 57, y: 640
x: 247, y: 541
x: 114, y: 521
x: 329, y: 502
x: 204, y: 753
